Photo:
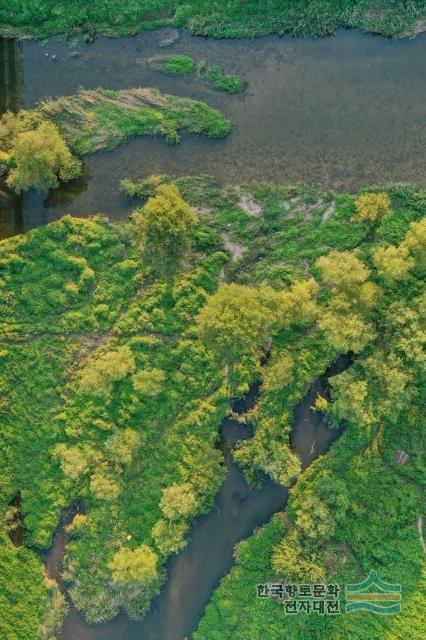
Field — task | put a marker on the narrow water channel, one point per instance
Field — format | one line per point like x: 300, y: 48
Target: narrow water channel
x: 347, y: 110
x: 193, y: 574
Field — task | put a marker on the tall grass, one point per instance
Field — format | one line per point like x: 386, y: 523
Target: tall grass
x: 227, y: 19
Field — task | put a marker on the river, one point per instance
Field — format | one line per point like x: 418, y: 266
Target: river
x: 347, y: 110
x: 193, y: 574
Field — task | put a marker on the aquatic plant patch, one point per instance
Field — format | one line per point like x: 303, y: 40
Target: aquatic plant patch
x: 103, y: 119
x: 183, y: 65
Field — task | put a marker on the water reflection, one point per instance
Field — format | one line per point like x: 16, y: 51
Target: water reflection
x: 10, y: 74
x: 11, y: 205
x: 11, y: 212
x: 68, y: 191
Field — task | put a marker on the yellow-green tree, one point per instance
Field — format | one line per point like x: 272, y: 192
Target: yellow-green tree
x: 298, y: 306
x: 99, y: 375
x: 393, y: 263
x: 104, y: 486
x: 41, y: 158
x: 132, y: 567
x: 372, y: 207
x: 278, y: 373
x: 343, y: 271
x: 178, y: 501
x: 121, y: 446
x: 346, y: 331
x: 373, y: 391
x: 163, y: 229
x: 266, y: 454
x: 294, y: 560
x: 75, y: 461
x: 13, y: 124
x: 415, y: 242
x: 352, y: 297
x: 317, y: 508
x: 148, y: 382
x: 234, y: 322
x: 169, y: 536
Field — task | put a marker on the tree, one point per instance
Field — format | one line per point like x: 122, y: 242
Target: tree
x: 76, y: 526
x: 13, y: 124
x: 163, y: 229
x: 169, y: 536
x: 374, y: 390
x: 318, y: 507
x: 406, y: 334
x: 103, y: 486
x: 75, y: 461
x: 393, y: 263
x: 148, y: 382
x: 269, y: 456
x: 40, y: 157
x: 178, y: 501
x: 372, y: 207
x: 298, y: 304
x: 292, y: 560
x: 99, y: 375
x: 121, y: 446
x: 313, y: 518
x: 131, y: 567
x: 415, y: 242
x: 349, y: 400
x: 278, y: 374
x: 344, y: 320
x: 342, y: 271
x: 346, y: 332
x: 281, y: 463
x: 234, y: 322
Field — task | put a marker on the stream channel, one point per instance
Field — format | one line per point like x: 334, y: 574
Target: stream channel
x: 239, y: 509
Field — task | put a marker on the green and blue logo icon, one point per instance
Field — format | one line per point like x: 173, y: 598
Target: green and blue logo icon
x: 373, y: 594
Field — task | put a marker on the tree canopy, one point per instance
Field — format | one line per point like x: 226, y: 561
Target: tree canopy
x: 137, y: 566
x: 163, y: 229
x: 40, y: 158
x: 234, y: 321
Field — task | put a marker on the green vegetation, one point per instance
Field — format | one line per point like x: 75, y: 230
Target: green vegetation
x: 96, y: 350
x: 183, y: 65
x: 356, y: 509
x: 178, y: 65
x: 230, y: 19
x: 115, y: 378
x: 31, y: 606
x: 220, y: 80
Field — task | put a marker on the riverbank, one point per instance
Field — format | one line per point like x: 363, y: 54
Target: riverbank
x: 251, y: 19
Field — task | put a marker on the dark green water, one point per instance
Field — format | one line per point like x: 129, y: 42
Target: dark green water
x: 348, y: 110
